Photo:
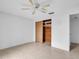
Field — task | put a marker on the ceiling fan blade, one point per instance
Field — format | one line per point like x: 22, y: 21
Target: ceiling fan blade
x: 45, y: 6
x: 43, y: 11
x: 25, y: 8
x: 31, y: 2
x: 36, y: 1
x: 26, y: 5
x: 33, y: 12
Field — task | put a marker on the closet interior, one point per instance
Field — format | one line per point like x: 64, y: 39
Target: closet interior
x: 43, y: 31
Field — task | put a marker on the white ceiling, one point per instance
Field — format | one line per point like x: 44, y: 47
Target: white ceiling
x: 14, y: 7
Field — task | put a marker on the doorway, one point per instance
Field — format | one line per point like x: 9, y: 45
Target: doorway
x: 43, y: 31
x: 74, y: 31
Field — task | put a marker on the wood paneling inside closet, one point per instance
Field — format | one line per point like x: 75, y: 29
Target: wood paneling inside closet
x: 47, y: 31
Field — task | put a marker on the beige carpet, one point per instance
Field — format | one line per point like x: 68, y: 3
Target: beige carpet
x: 38, y: 51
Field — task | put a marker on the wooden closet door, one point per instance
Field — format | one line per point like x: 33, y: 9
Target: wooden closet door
x: 48, y: 34
x: 39, y: 31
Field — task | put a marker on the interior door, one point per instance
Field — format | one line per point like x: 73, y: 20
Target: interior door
x: 39, y: 31
x: 48, y: 34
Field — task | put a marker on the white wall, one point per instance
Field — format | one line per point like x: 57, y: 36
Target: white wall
x: 15, y: 30
x: 74, y: 28
x: 60, y: 27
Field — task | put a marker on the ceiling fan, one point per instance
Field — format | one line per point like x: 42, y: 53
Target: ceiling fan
x: 35, y: 5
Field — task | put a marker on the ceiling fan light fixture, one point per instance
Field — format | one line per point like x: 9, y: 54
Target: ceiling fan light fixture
x: 35, y: 5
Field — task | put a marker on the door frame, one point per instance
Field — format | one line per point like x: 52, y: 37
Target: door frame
x: 51, y: 30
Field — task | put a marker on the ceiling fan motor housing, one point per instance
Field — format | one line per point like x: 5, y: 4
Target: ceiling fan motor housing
x: 37, y: 5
